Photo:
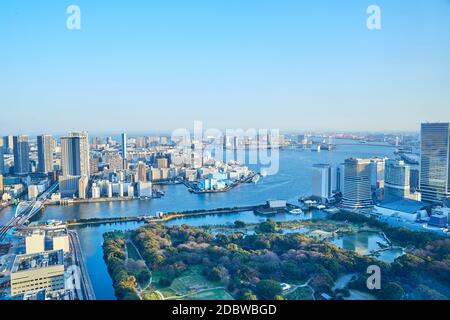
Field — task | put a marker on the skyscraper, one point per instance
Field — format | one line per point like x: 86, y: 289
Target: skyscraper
x: 397, y: 175
x: 74, y: 162
x: 321, y: 181
x: 124, y: 146
x: 75, y: 154
x: 21, y: 155
x: 435, y: 162
x: 357, y: 188
x: 142, y: 172
x: 45, y: 153
x: 8, y: 144
x: 2, y: 161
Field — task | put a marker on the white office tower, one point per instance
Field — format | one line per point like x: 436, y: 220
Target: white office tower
x: 45, y: 147
x: 109, y: 189
x: 74, y: 162
x: 130, y: 191
x: 396, y: 182
x: 357, y: 187
x: 96, y: 192
x: 35, y: 242
x: 145, y: 189
x: 121, y: 191
x: 377, y: 172
x: 340, y: 175
x: 321, y: 181
x: 435, y: 162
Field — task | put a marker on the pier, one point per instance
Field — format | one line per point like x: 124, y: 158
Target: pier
x: 164, y: 218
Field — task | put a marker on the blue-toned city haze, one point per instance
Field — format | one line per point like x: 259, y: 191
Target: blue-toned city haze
x: 161, y: 64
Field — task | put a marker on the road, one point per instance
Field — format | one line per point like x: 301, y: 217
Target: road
x: 87, y: 291
x: 26, y: 211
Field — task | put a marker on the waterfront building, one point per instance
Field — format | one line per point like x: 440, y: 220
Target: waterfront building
x: 340, y: 175
x: 144, y: 189
x: 45, y: 153
x: 120, y: 189
x: 321, y: 181
x: 405, y: 209
x: 83, y: 183
x: 74, y: 162
x: 109, y: 189
x: 435, y: 162
x: 35, y: 242
x: 357, y: 187
x: 142, y: 172
x: 68, y: 185
x: 397, y: 175
x: 130, y: 191
x: 2, y: 161
x: 96, y: 193
x: 377, y: 167
x: 35, y: 272
x: 60, y: 240
x: 21, y: 155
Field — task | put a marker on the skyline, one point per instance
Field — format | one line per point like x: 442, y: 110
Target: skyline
x: 153, y: 67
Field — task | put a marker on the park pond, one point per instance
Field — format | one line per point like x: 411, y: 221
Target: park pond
x: 368, y: 243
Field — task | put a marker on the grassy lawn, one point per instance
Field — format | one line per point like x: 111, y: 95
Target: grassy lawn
x: 214, y: 294
x: 300, y: 294
x: 190, y: 282
x: 151, y: 296
x: 132, y: 253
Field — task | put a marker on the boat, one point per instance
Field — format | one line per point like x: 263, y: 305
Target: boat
x: 256, y: 178
x: 296, y: 211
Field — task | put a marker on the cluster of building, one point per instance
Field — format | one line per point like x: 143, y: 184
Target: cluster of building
x: 389, y: 186
x: 40, y: 269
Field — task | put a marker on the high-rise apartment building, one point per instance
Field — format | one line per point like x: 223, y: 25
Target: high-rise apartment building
x: 142, y: 172
x: 2, y: 161
x: 74, y: 162
x: 124, y: 146
x: 321, y: 181
x: 435, y: 162
x: 45, y: 146
x: 21, y: 155
x: 75, y: 154
x: 397, y: 177
x: 357, y: 187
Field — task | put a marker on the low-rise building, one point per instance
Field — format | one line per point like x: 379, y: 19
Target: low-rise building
x: 406, y: 209
x: 36, y: 272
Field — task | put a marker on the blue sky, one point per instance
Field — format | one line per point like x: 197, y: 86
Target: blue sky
x: 161, y: 64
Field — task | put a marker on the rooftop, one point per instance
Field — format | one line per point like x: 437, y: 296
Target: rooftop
x: 403, y: 205
x: 38, y: 260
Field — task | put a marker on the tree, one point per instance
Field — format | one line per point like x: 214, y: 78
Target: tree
x: 144, y: 276
x: 239, y: 224
x: 268, y: 226
x: 392, y: 291
x: 268, y: 289
x: 249, y: 296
